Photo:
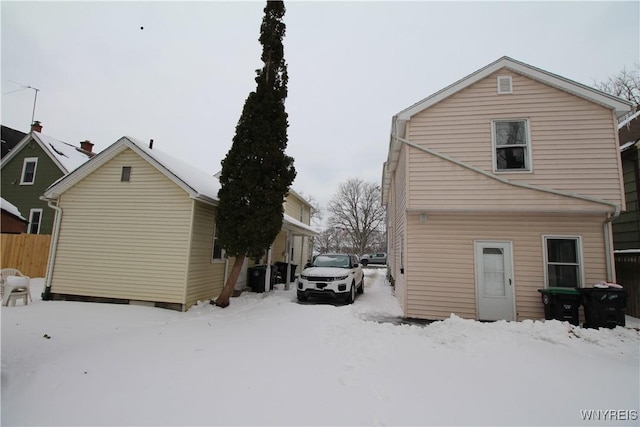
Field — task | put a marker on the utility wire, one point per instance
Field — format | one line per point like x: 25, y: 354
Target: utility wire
x: 17, y: 90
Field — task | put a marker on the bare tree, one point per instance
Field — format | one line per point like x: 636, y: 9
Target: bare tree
x: 332, y: 239
x: 625, y: 84
x: 356, y: 209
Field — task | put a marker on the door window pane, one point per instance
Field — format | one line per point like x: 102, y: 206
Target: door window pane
x: 493, y: 265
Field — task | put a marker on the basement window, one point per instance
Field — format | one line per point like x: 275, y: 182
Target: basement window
x: 126, y: 174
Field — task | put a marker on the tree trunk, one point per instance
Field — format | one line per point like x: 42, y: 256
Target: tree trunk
x: 227, y: 291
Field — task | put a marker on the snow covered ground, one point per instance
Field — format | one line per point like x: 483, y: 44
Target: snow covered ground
x: 267, y: 360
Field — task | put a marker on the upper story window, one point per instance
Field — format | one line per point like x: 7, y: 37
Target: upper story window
x: 28, y: 176
x: 511, y: 145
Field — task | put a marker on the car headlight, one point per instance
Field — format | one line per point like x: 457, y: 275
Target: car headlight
x: 302, y: 276
x: 340, y: 278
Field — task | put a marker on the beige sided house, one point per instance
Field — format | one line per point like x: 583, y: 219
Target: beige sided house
x: 294, y: 243
x: 136, y: 225
x: 501, y: 184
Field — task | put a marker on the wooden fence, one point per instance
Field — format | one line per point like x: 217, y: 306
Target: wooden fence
x: 28, y: 253
x: 628, y: 275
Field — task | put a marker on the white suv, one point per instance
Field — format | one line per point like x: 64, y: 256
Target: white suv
x: 335, y: 275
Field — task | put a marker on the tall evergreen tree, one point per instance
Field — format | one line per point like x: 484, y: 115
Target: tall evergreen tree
x: 256, y: 173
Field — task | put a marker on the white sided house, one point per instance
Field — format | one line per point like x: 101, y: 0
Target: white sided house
x: 498, y: 185
x: 136, y: 225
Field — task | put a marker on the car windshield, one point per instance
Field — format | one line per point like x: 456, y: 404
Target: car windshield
x: 341, y: 261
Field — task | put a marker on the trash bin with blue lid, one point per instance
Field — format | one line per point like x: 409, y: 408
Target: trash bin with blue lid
x: 561, y: 304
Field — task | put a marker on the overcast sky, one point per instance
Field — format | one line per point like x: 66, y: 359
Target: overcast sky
x: 179, y: 72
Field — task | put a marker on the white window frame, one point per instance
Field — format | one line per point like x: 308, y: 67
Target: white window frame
x: 26, y: 161
x: 527, y: 152
x: 579, y: 254
x: 31, y: 212
x: 223, y: 253
x: 499, y: 81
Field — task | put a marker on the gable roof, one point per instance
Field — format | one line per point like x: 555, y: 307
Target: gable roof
x: 619, y: 105
x: 66, y: 156
x: 10, y: 138
x: 200, y: 185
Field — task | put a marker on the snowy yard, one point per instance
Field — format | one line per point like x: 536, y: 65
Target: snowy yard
x: 267, y: 360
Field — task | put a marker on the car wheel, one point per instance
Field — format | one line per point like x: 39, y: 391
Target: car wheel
x: 352, y: 294
x: 361, y: 287
x: 364, y: 262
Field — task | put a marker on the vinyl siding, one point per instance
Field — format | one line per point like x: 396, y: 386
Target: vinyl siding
x: 573, y: 141
x: 398, y: 211
x: 27, y: 197
x: 292, y: 207
x: 626, y: 228
x: 206, y: 277
x: 278, y: 250
x: 441, y: 259
x: 438, y: 184
x: 124, y: 240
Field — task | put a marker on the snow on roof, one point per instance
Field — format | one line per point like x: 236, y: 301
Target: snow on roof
x: 9, y: 207
x: 203, y: 183
x: 299, y: 224
x: 628, y: 119
x: 624, y: 147
x: 68, y: 155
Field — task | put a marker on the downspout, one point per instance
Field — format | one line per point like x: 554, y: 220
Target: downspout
x: 608, y: 237
x: 54, y: 246
x: 606, y: 224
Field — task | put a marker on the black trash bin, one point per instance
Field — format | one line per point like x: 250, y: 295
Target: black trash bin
x: 561, y: 304
x: 282, y: 269
x: 604, y: 307
x: 256, y: 277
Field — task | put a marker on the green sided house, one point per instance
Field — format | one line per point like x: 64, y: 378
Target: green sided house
x: 136, y: 225
x: 31, y: 166
x: 503, y: 183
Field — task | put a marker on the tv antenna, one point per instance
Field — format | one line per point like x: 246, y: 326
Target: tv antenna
x: 35, y: 97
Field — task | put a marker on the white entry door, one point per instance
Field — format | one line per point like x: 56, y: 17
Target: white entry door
x: 494, y: 281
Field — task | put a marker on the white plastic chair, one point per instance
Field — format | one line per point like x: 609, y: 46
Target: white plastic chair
x: 13, y: 281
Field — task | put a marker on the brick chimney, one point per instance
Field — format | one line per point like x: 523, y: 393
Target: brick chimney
x: 36, y: 126
x: 87, y: 146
